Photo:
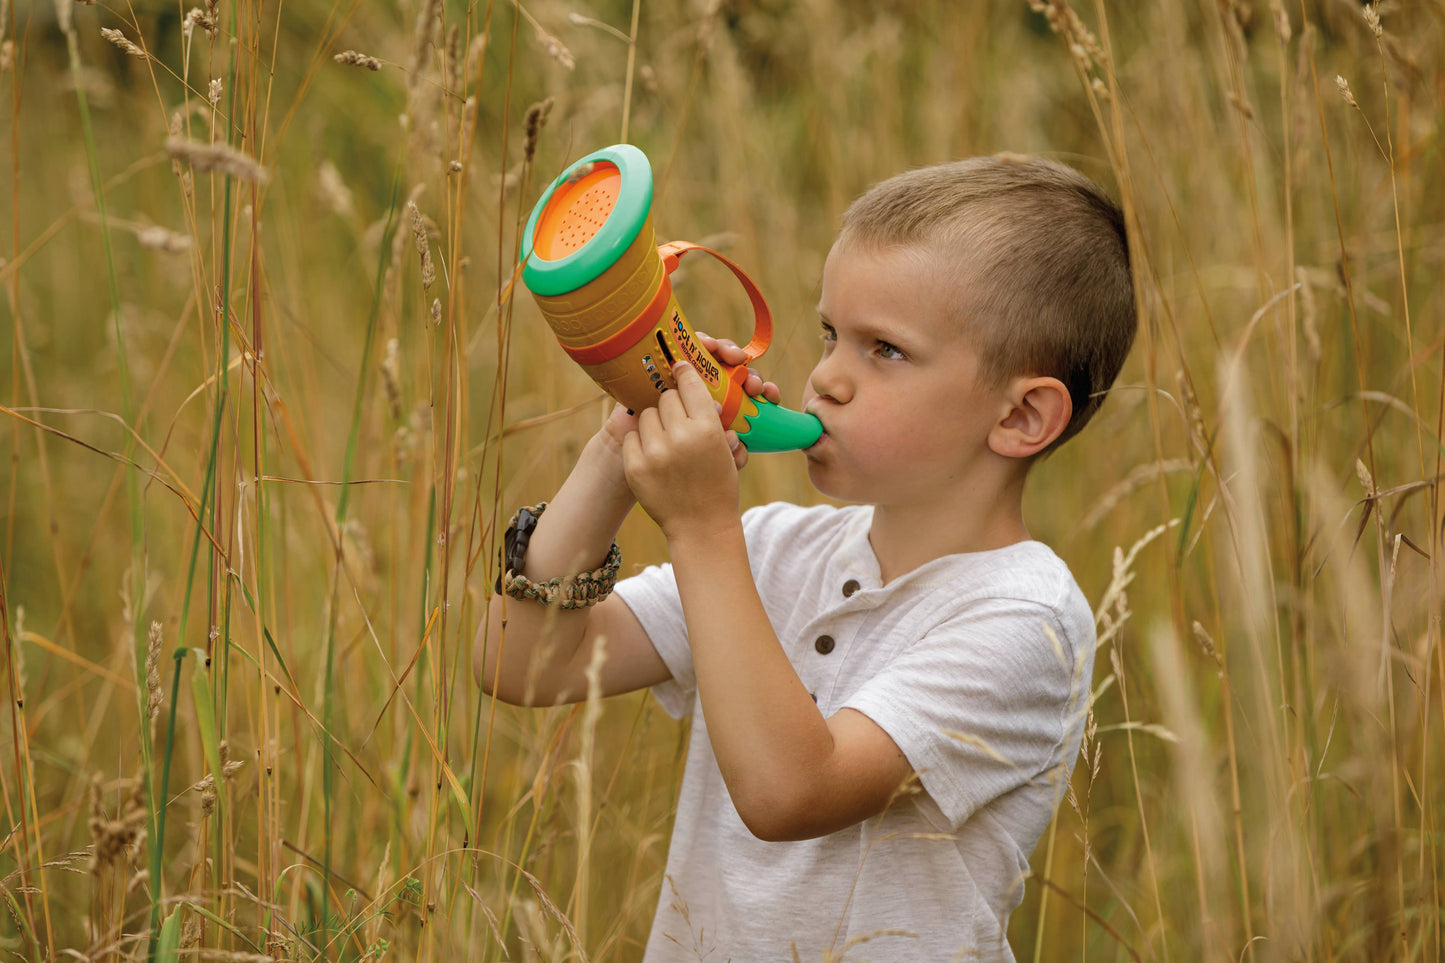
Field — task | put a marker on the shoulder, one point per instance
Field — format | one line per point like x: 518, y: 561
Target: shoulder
x: 1025, y: 572
x: 1023, y: 589
x: 800, y: 516
x: 800, y: 527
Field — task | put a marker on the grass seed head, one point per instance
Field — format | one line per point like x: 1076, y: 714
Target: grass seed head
x: 476, y: 52
x: 154, y: 696
x: 555, y: 48
x: 353, y: 58
x: 1371, y: 14
x: 218, y: 158
x: 120, y: 839
x: 1366, y: 479
x: 1345, y: 92
x: 1282, y: 27
x: 199, y: 18
x: 418, y: 233
x: 1206, y: 642
x: 206, y: 787
x: 119, y: 39
x: 426, y: 22
x: 536, y: 119
x: 333, y: 190
x: 391, y: 378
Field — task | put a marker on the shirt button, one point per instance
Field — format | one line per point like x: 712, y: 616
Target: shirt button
x: 824, y: 644
x: 850, y: 586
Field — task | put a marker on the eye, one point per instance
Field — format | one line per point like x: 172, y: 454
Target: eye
x: 889, y: 353
x: 828, y: 334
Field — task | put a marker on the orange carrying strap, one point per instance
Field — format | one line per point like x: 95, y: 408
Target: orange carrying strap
x: 762, y: 316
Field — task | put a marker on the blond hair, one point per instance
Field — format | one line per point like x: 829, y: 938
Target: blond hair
x: 1038, y: 256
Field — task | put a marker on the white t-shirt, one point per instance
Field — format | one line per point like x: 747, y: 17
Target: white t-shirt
x: 978, y: 667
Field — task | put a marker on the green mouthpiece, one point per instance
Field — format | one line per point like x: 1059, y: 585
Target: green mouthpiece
x: 775, y: 428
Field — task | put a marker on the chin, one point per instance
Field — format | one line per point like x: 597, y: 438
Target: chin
x: 826, y: 483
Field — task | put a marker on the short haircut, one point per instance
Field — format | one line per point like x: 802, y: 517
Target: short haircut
x: 1042, y: 254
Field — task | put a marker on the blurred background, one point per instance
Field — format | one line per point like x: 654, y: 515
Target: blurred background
x: 262, y: 425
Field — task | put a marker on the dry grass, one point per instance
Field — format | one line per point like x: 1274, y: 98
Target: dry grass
x: 235, y: 405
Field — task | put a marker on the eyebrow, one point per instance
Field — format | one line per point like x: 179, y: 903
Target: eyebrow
x: 899, y: 339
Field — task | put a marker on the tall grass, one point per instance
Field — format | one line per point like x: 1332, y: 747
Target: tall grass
x: 321, y: 408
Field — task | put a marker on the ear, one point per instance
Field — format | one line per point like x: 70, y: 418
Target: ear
x: 1039, y: 411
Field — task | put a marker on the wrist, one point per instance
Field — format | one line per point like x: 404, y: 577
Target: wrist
x: 703, y: 532
x: 601, y: 462
x: 574, y: 591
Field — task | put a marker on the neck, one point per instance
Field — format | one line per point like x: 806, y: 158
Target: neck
x: 980, y: 519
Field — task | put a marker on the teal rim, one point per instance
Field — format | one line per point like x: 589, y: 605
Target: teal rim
x: 634, y: 199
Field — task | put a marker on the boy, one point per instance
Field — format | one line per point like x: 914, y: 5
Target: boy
x: 887, y: 697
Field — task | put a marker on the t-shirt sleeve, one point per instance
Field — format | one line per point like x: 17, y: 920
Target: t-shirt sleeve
x: 652, y: 597
x: 982, y: 704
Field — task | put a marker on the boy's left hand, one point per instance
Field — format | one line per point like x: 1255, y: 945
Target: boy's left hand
x: 679, y: 462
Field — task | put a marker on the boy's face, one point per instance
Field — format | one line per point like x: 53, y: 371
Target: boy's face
x: 906, y: 420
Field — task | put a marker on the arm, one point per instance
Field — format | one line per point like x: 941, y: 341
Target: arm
x: 530, y: 654
x: 791, y: 773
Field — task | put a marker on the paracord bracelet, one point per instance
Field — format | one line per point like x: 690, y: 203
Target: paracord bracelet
x: 568, y: 591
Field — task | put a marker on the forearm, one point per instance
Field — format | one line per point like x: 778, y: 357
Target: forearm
x: 791, y: 773
x: 772, y: 744
x: 524, y: 650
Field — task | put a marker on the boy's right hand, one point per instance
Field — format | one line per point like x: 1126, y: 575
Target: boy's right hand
x: 620, y: 422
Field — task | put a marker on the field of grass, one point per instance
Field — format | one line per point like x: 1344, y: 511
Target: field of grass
x: 261, y: 423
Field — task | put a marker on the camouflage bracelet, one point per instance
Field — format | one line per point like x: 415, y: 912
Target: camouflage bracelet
x: 567, y: 591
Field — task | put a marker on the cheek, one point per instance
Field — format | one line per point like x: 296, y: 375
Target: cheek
x: 876, y: 434
x: 908, y: 430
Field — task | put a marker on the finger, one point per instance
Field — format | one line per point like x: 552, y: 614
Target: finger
x: 696, y: 399
x: 670, y: 408
x: 631, y: 455
x: 724, y: 349
x: 622, y: 418
x: 755, y: 387
x: 650, y: 422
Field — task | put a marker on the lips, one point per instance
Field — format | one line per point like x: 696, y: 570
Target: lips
x: 821, y: 437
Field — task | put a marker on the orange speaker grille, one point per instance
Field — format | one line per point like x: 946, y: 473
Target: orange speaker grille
x: 577, y: 212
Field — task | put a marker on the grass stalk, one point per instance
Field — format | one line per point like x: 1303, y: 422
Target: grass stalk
x: 631, y: 64
x: 135, y: 603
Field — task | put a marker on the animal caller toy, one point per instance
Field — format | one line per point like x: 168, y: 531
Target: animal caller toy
x: 605, y: 288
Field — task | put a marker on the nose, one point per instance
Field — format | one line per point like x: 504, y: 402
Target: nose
x: 830, y: 378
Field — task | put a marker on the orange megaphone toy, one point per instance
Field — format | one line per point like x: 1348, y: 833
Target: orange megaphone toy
x: 605, y: 288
